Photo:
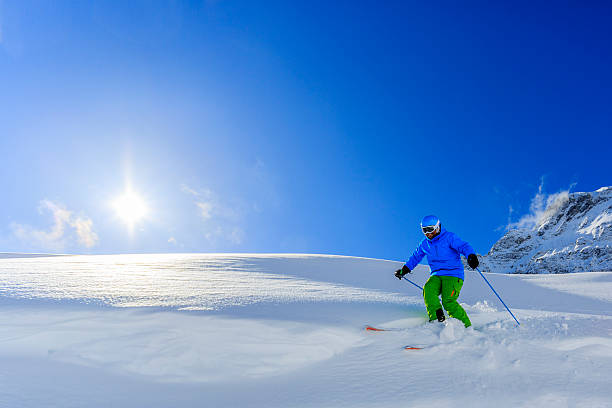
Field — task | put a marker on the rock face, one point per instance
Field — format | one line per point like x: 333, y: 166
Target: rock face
x: 573, y: 233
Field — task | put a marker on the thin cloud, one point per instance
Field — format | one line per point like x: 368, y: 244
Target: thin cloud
x: 205, y: 209
x: 541, y: 208
x: 186, y: 189
x: 221, y: 220
x: 84, y: 231
x: 67, y: 229
x: 234, y: 235
x: 205, y: 200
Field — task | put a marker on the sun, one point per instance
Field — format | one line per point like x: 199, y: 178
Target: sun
x: 130, y: 207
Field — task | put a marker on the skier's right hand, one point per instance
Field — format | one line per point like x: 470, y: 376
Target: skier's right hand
x: 399, y: 274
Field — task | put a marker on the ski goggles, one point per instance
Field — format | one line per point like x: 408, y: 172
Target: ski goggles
x: 430, y: 228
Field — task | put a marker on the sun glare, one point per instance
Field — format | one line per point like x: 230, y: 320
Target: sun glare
x: 130, y: 207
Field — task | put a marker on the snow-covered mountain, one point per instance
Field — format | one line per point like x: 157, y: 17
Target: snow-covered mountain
x: 572, y: 233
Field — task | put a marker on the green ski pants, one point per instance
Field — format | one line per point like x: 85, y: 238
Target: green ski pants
x: 449, y: 287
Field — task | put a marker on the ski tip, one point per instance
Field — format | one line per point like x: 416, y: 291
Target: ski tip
x: 370, y: 328
x: 412, y: 348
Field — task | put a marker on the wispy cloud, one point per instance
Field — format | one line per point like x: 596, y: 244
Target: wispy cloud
x: 221, y: 219
x: 234, y: 235
x: 225, y: 217
x: 67, y: 229
x: 84, y: 231
x: 205, y: 200
x: 186, y: 189
x: 542, y: 206
x: 205, y: 209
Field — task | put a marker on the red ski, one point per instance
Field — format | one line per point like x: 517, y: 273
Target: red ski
x: 370, y: 328
x: 376, y: 329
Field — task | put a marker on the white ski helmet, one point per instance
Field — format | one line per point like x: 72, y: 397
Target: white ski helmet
x: 429, y: 224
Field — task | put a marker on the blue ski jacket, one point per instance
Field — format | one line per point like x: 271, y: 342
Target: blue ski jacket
x: 443, y: 254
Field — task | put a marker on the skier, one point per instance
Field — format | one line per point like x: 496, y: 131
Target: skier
x: 443, y: 249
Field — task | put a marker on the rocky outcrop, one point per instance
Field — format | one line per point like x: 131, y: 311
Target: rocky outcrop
x: 573, y: 233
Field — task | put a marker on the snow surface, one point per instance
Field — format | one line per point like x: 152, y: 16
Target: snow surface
x: 252, y: 330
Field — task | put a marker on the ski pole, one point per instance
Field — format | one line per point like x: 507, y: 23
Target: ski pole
x: 412, y: 282
x: 483, y: 277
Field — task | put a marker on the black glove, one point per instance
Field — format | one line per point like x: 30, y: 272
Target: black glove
x: 473, y: 261
x: 401, y: 272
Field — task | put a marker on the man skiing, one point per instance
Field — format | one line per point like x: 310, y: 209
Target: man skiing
x: 443, y: 249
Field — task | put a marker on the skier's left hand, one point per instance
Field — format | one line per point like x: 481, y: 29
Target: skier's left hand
x: 399, y: 274
x: 472, y: 261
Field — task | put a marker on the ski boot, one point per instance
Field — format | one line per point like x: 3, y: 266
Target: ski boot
x: 439, y: 315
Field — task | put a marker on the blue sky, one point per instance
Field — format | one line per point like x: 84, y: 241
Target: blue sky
x: 320, y: 127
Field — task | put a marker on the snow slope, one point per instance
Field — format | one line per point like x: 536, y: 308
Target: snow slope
x: 570, y: 233
x: 252, y: 330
